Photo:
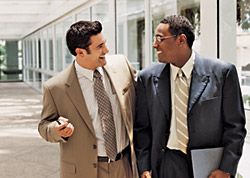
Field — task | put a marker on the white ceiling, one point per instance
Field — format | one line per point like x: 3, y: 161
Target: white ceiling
x: 19, y: 18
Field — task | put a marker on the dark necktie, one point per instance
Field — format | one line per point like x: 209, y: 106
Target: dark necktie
x: 106, y: 115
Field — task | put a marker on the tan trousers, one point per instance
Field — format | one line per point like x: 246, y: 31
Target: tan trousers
x: 117, y: 169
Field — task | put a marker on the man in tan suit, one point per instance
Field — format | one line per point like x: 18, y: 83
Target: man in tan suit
x: 72, y: 114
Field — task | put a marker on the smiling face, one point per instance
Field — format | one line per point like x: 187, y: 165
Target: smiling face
x: 167, y: 50
x: 96, y: 56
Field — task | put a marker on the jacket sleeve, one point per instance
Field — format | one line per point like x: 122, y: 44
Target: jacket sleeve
x: 234, y: 122
x: 46, y: 126
x: 142, y: 129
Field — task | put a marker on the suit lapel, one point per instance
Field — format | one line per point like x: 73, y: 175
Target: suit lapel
x: 199, y: 81
x: 162, y: 85
x: 75, y: 94
x: 112, y: 74
x: 119, y: 85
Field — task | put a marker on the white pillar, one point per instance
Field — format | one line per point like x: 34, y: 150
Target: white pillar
x: 208, y: 21
x: 227, y: 19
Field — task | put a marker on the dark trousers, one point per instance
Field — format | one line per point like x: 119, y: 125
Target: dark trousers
x: 175, y: 165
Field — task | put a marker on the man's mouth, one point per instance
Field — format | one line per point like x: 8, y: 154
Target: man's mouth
x: 102, y: 57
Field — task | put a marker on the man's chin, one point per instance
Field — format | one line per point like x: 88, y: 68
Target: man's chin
x: 163, y: 60
x: 102, y: 62
x: 160, y: 60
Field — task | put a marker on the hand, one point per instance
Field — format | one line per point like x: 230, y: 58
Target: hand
x: 219, y: 174
x: 146, y: 174
x: 64, y: 129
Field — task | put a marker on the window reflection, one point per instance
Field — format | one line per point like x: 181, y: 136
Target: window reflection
x: 243, y: 48
x: 44, y: 36
x: 68, y: 57
x: 131, y: 30
x: 34, y: 57
x: 59, y: 34
x: 83, y: 15
x: 98, y: 13
x: 50, y: 39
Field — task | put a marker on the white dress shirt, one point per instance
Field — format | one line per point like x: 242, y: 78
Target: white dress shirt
x: 86, y: 80
x: 187, y: 70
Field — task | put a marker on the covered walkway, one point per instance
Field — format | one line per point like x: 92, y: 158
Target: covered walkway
x: 23, y: 153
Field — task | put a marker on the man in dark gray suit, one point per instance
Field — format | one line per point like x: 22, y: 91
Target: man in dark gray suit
x: 170, y: 122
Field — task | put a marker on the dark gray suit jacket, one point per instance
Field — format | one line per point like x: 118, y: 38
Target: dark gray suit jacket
x: 215, y: 113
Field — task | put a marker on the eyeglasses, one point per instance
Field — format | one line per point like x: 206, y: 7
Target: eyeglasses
x: 159, y: 39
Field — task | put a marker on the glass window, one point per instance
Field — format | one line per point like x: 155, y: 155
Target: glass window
x: 83, y: 15
x: 98, y: 13
x: 34, y: 57
x: 20, y: 59
x: 30, y: 53
x: 131, y: 30
x: 68, y: 57
x: 38, y: 77
x: 47, y: 77
x: 243, y: 62
x: 25, y: 52
x: 188, y: 8
x: 30, y: 76
x: 59, y: 35
x: 44, y: 34
x: 243, y: 47
x: 25, y: 75
x: 39, y: 53
x: 50, y: 39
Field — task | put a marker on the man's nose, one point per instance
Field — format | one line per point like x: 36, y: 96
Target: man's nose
x: 106, y: 50
x: 155, y: 45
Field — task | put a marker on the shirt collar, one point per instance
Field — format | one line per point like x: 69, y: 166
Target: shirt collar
x: 187, y: 68
x: 87, y: 73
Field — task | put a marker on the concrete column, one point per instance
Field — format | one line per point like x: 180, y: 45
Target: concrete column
x: 227, y: 19
x: 208, y: 21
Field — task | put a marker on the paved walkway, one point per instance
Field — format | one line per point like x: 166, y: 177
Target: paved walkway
x: 24, y: 154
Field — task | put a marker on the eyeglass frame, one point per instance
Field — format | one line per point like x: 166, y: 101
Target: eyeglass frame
x: 159, y: 39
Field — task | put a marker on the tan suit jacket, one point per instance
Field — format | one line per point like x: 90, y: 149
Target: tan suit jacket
x: 63, y: 97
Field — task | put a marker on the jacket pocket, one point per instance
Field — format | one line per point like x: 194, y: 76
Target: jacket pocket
x: 126, y: 88
x: 210, y: 100
x: 68, y: 168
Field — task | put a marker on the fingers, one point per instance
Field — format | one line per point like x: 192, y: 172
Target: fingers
x: 62, y: 125
x: 64, y: 128
x: 69, y: 130
x: 146, y: 174
x: 63, y: 119
x: 219, y: 174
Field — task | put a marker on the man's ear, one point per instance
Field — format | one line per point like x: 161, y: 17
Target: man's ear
x: 80, y: 52
x: 182, y: 39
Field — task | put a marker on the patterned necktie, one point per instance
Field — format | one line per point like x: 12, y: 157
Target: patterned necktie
x: 106, y: 115
x: 181, y: 100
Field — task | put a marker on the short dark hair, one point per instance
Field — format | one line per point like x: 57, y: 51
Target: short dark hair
x: 180, y: 25
x: 78, y: 35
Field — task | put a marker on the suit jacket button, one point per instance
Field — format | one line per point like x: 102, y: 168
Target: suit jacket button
x: 94, y: 146
x: 94, y: 165
x: 163, y: 150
